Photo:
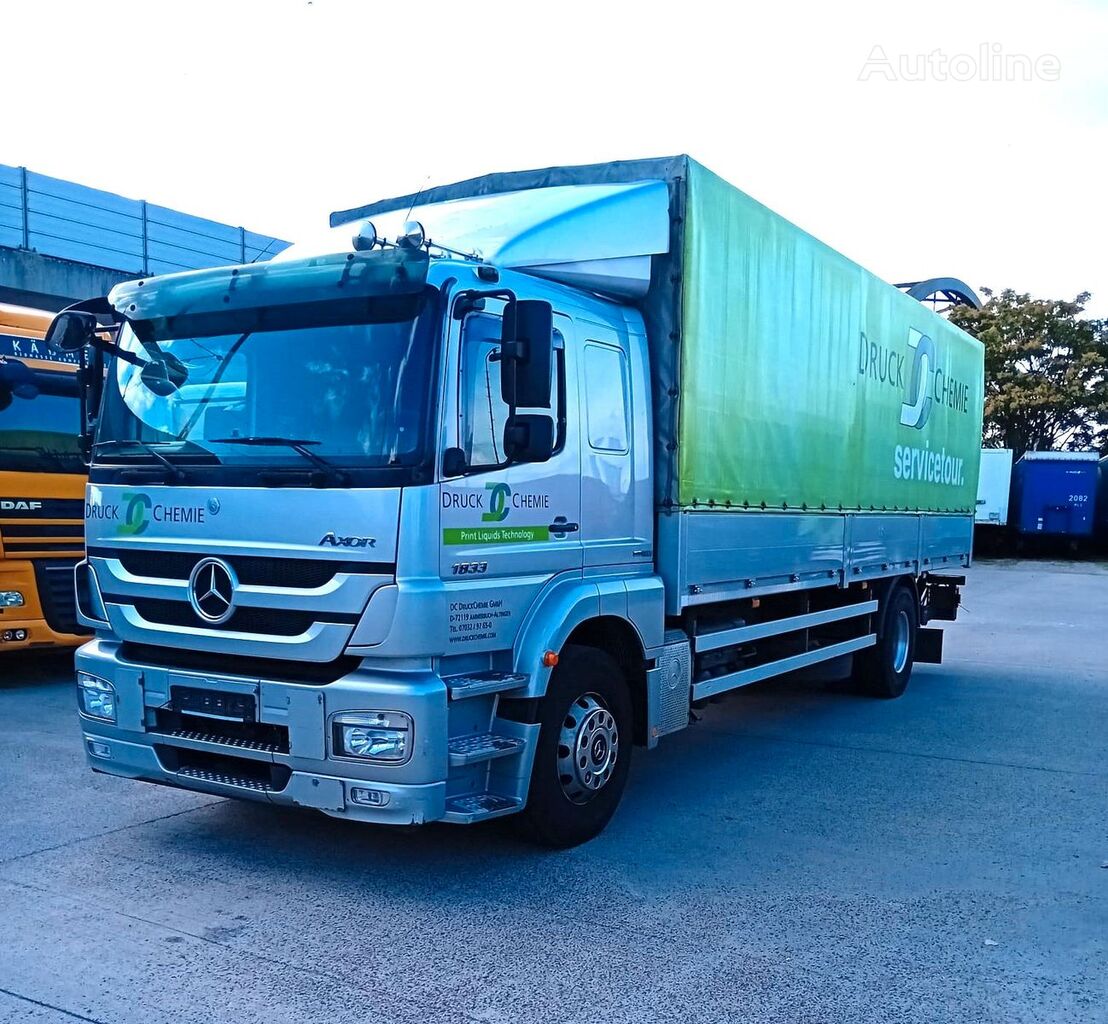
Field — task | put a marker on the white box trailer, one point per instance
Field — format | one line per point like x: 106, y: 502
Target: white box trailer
x: 993, y: 487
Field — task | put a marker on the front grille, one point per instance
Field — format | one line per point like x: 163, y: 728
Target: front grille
x: 36, y: 539
x: 264, y: 621
x: 57, y: 596
x: 269, y: 739
x: 269, y: 669
x: 43, y: 530
x: 260, y: 776
x: 253, y: 570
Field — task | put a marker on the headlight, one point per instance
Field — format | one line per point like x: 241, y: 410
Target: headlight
x: 11, y: 599
x: 373, y: 735
x: 96, y: 697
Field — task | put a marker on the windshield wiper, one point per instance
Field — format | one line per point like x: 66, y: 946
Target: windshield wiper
x: 298, y: 445
x: 175, y: 474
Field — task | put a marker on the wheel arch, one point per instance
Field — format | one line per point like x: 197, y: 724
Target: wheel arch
x: 620, y: 640
x: 882, y: 590
x: 582, y: 613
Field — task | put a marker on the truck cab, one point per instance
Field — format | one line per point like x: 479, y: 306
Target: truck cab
x: 42, y: 482
x: 322, y: 570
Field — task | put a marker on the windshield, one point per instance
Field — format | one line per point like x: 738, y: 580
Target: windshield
x: 354, y: 395
x: 39, y: 420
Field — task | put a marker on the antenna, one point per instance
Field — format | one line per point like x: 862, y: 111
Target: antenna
x: 415, y: 198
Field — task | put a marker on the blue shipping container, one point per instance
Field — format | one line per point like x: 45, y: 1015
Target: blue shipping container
x: 1102, y: 500
x: 1054, y: 493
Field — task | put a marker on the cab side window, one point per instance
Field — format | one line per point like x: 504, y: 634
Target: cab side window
x: 482, y: 412
x: 606, y: 397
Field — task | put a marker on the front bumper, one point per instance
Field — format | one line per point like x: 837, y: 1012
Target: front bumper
x: 19, y: 634
x: 28, y: 622
x: 305, y: 773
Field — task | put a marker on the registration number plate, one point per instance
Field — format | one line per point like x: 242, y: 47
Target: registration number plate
x: 235, y: 707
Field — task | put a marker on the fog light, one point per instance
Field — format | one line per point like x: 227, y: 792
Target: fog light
x: 10, y: 635
x: 11, y: 599
x: 98, y: 749
x: 369, y: 797
x: 373, y: 735
x: 96, y: 697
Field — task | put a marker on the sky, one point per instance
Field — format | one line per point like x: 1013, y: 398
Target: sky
x: 963, y: 139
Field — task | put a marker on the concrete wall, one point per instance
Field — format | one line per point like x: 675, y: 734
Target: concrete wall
x: 45, y: 282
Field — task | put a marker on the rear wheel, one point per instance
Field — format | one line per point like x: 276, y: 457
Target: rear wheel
x: 884, y: 669
x: 584, y: 750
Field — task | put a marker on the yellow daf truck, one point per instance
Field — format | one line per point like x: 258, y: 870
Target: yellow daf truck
x: 42, y: 483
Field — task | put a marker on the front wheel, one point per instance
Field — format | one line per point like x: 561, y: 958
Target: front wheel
x: 884, y: 669
x: 584, y: 750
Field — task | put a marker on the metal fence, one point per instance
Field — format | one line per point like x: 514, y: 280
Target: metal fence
x: 63, y: 219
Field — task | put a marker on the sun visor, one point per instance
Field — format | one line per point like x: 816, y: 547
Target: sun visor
x: 225, y: 291
x: 595, y: 236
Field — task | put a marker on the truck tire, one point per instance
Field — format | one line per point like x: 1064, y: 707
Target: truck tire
x: 584, y: 750
x: 884, y: 669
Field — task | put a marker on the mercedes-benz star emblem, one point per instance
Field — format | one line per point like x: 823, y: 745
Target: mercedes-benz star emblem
x: 212, y: 590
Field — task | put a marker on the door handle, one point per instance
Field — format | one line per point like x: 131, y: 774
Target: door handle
x: 560, y: 527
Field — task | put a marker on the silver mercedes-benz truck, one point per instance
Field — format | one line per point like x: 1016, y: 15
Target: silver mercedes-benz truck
x: 437, y: 516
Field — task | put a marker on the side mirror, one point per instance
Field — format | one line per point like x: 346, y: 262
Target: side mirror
x: 527, y: 354
x: 71, y: 330
x: 454, y: 462
x: 165, y: 375
x: 529, y: 437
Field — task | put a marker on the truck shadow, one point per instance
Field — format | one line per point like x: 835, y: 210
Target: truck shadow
x: 706, y: 779
x: 35, y: 667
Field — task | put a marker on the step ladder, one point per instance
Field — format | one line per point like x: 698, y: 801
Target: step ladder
x: 486, y: 746
x: 480, y: 684
x: 473, y: 807
x: 494, y: 762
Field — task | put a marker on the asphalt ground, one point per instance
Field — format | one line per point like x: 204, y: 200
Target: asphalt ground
x: 800, y: 854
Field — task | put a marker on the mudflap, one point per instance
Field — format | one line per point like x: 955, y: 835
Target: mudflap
x: 929, y: 646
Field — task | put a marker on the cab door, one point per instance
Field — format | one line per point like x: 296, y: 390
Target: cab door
x: 615, y: 477
x: 505, y: 533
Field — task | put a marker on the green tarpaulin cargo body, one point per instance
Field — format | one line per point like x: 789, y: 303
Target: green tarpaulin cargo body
x: 785, y: 376
x: 807, y: 382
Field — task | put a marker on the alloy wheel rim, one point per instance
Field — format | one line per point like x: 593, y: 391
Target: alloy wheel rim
x: 900, y: 642
x: 588, y: 748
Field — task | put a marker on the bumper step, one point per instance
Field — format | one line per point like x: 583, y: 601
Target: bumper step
x: 217, y: 740
x: 465, y: 810
x: 482, y: 747
x: 478, y: 684
x: 223, y: 779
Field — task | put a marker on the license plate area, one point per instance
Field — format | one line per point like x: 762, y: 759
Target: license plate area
x: 217, y: 704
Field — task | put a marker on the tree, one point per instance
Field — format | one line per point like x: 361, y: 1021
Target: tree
x: 1046, y: 371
